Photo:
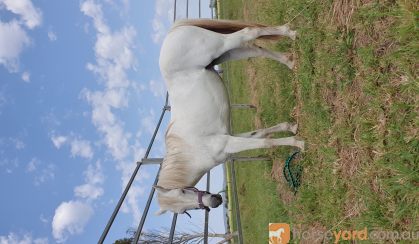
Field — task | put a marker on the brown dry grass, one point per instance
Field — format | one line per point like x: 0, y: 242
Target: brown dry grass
x: 366, y: 35
x: 342, y: 11
x: 354, y: 206
x: 284, y: 193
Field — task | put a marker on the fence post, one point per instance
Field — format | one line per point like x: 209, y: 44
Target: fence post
x: 118, y: 205
x: 172, y: 228
x: 206, y: 211
x: 236, y: 200
x: 147, y: 207
x: 187, y: 9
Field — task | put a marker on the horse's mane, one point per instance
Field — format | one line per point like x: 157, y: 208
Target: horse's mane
x: 175, y: 169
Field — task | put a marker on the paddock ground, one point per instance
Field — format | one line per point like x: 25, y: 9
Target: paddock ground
x: 354, y: 94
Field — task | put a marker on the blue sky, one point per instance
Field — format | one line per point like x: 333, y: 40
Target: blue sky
x: 80, y: 94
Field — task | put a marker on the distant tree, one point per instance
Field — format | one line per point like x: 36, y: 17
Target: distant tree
x: 124, y: 241
x: 162, y: 237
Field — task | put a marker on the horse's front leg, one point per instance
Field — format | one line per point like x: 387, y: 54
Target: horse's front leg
x: 239, y: 144
x: 267, y: 131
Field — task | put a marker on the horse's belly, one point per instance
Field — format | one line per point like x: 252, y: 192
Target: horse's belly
x: 202, y: 104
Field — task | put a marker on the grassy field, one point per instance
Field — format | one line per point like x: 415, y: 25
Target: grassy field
x: 355, y: 96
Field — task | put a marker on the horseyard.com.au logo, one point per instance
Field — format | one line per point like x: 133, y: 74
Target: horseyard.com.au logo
x: 279, y: 233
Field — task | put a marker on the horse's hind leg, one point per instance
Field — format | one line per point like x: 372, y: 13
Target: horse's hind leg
x: 236, y: 39
x: 253, y: 51
x: 237, y: 144
x: 266, y: 131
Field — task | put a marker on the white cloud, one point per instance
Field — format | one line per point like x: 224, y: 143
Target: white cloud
x: 81, y: 148
x: 157, y: 88
x: 41, y: 241
x: 91, y: 9
x: 52, y: 36
x: 31, y: 16
x: 94, y: 174
x: 133, y: 202
x: 45, y: 174
x: 70, y: 219
x: 26, y: 77
x: 41, y: 173
x: 78, y: 147
x: 162, y: 18
x: 13, y: 238
x: 19, y: 144
x: 58, y: 141
x: 32, y: 165
x: 43, y: 219
x: 13, y: 39
x: 94, y: 178
x: 148, y: 123
x: 159, y: 30
x: 88, y: 191
x: 114, y: 59
x: 9, y: 165
x: 3, y: 99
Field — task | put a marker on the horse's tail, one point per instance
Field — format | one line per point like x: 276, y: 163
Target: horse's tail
x: 222, y: 26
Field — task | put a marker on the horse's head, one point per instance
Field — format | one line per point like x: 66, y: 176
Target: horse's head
x: 181, y: 200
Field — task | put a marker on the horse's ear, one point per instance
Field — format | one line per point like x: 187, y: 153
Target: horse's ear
x: 160, y: 212
x: 160, y: 189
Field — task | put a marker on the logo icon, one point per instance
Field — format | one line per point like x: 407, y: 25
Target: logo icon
x: 279, y: 233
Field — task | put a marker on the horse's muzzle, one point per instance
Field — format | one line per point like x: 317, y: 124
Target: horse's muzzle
x: 216, y: 200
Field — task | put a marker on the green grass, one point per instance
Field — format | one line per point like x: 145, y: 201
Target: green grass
x: 355, y: 97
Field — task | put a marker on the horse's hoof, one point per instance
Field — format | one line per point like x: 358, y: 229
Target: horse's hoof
x: 294, y: 128
x: 300, y: 144
x: 293, y: 35
x: 290, y: 64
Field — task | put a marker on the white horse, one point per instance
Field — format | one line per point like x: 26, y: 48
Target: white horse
x: 198, y: 136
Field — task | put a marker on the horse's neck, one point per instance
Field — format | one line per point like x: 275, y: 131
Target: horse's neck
x: 179, y: 168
